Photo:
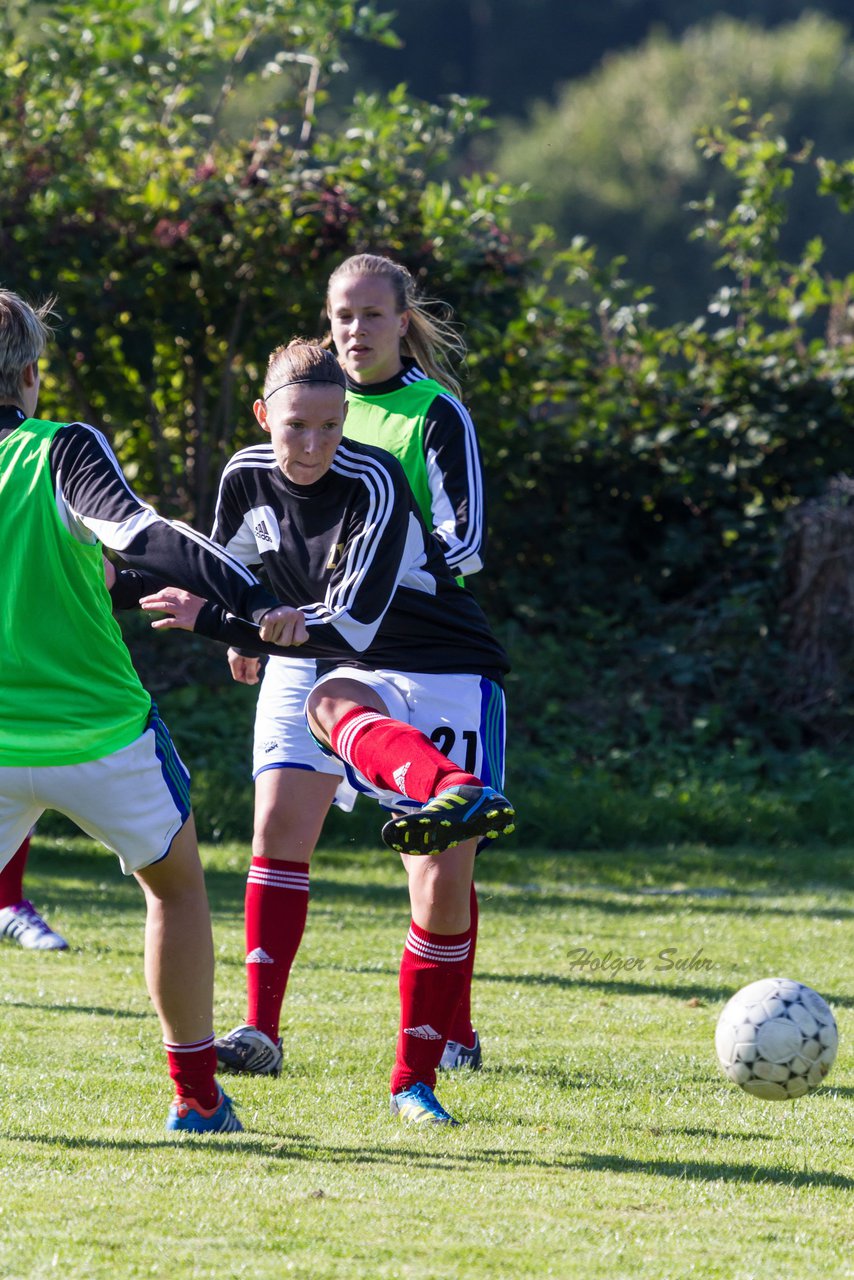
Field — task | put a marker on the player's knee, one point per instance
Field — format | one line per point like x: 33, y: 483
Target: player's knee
x: 440, y: 894
x: 175, y: 880
x: 327, y: 704
x: 324, y: 712
x: 282, y: 835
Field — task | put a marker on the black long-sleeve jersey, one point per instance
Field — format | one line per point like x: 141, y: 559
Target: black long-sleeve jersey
x: 94, y: 501
x: 353, y: 553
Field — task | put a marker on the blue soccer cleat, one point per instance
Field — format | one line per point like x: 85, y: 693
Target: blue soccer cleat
x: 188, y: 1116
x: 455, y: 814
x: 419, y: 1105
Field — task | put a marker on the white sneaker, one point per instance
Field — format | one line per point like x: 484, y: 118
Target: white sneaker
x: 23, y: 924
x: 248, y: 1050
x: 456, y: 1056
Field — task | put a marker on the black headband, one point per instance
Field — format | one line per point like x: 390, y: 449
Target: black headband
x: 293, y: 382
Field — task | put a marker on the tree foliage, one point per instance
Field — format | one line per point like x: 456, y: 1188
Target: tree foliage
x: 670, y: 457
x: 615, y: 160
x: 514, y: 53
x: 181, y: 252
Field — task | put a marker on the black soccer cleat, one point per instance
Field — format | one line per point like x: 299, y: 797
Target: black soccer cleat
x: 455, y: 814
x: 248, y: 1051
x: 459, y: 1057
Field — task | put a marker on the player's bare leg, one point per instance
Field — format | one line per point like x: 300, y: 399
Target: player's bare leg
x: 439, y: 888
x: 179, y: 958
x: 290, y: 808
x: 179, y: 968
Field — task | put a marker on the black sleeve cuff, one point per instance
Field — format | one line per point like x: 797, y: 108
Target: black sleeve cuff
x: 131, y: 585
x: 214, y: 623
x: 259, y: 601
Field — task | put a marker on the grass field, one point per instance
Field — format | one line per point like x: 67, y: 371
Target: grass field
x: 600, y: 1140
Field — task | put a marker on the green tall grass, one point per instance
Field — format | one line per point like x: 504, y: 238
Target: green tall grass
x: 600, y: 1140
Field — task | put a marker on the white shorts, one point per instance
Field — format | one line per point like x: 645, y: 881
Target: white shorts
x: 282, y: 739
x: 463, y: 715
x: 135, y: 801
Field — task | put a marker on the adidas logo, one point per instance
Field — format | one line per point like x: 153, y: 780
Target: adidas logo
x: 259, y: 956
x: 399, y: 776
x: 270, y: 746
x: 425, y: 1032
x: 262, y: 533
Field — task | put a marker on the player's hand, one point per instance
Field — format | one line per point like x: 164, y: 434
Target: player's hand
x: 244, y: 670
x: 183, y: 608
x: 284, y: 626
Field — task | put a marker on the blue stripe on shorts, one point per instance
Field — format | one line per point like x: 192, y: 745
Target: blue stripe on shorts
x: 175, y: 775
x: 492, y: 733
x: 282, y: 764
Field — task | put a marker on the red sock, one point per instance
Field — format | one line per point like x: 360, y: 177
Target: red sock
x: 192, y: 1068
x: 276, y: 910
x: 12, y: 877
x: 432, y: 976
x: 461, y: 1028
x: 395, y: 756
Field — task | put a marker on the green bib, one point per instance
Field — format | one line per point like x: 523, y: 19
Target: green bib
x: 68, y: 689
x: 395, y: 422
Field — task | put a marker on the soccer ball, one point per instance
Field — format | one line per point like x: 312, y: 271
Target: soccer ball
x: 776, y: 1039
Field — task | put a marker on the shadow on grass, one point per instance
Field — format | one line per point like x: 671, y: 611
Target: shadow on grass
x: 716, y: 1135
x: 225, y: 888
x: 719, y: 1171
x: 91, y: 1010
x: 277, y: 1146
x: 627, y: 901
x: 621, y: 987
x: 612, y: 986
x: 294, y: 1147
x: 705, y: 993
x: 609, y: 986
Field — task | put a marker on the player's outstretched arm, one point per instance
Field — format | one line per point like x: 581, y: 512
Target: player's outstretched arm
x: 92, y: 494
x: 282, y: 626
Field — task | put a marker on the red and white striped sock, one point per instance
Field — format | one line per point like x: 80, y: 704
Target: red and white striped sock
x: 276, y: 907
x: 432, y: 976
x: 461, y: 1028
x: 12, y: 877
x: 192, y: 1068
x: 395, y: 756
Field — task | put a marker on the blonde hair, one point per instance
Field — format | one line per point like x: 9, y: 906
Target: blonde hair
x: 432, y: 341
x: 24, y: 334
x: 301, y: 360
